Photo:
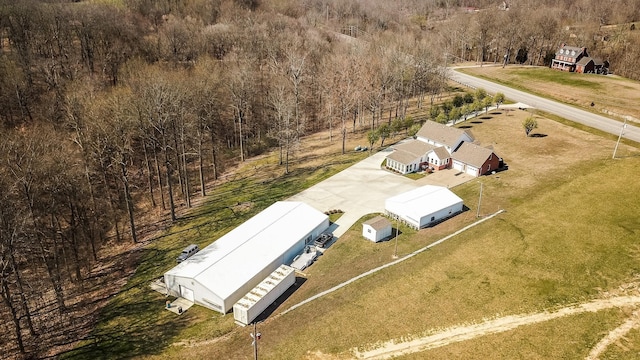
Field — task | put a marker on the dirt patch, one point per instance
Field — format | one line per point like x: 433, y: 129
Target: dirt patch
x: 615, y: 335
x: 462, y: 333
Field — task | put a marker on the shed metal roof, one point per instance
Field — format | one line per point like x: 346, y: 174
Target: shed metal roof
x: 378, y: 222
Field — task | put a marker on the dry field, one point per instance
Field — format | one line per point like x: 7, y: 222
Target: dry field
x: 543, y: 253
x: 611, y: 95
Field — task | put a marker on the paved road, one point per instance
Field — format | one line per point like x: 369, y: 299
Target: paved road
x: 566, y: 111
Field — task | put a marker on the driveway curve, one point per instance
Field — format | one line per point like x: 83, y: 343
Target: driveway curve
x: 363, y: 188
x: 566, y: 111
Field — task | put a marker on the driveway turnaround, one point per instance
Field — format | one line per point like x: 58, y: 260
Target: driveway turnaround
x: 363, y: 188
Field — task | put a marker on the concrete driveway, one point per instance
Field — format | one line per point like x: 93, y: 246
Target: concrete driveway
x: 362, y: 189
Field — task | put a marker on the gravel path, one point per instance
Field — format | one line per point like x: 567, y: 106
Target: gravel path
x: 507, y: 323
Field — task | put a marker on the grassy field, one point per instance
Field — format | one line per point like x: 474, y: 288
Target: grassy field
x: 569, y: 234
x: 610, y: 95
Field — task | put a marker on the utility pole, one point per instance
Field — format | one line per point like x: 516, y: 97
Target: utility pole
x: 255, y: 336
x: 479, y: 201
x: 395, y: 249
x: 619, y: 136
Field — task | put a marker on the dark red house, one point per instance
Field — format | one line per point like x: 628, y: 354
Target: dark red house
x: 567, y: 58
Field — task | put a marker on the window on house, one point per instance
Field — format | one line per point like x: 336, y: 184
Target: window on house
x: 433, y: 218
x: 369, y: 231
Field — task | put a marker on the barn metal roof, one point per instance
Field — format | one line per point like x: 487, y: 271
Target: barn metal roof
x: 422, y: 201
x: 231, y: 261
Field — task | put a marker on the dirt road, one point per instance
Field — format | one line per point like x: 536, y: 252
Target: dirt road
x: 507, y: 323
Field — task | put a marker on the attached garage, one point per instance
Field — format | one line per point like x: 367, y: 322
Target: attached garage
x: 424, y: 206
x: 475, y: 160
x: 222, y: 273
x: 473, y: 171
x: 458, y: 165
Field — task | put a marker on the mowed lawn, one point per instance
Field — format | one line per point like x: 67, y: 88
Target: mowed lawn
x: 570, y: 233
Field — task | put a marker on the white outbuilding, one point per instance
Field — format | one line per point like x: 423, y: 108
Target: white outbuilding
x: 376, y: 229
x: 264, y: 294
x: 222, y: 273
x: 424, y: 206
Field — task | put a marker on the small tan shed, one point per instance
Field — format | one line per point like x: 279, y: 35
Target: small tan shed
x: 376, y: 229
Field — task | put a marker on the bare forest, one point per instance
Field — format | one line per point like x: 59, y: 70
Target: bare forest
x: 116, y: 115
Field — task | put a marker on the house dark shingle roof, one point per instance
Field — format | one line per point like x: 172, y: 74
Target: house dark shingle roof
x: 571, y: 51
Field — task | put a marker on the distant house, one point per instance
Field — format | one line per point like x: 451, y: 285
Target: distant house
x: 567, y: 57
x: 588, y: 65
x: 438, y: 147
x: 376, y: 229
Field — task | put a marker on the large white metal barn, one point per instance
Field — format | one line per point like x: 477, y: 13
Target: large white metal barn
x: 424, y: 206
x: 223, y: 272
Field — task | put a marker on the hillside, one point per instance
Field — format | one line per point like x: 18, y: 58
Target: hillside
x: 120, y: 117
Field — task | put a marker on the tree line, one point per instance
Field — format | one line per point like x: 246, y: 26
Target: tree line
x: 114, y: 115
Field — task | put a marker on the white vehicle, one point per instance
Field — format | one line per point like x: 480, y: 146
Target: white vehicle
x: 187, y: 252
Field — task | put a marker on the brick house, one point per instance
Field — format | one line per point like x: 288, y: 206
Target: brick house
x: 438, y: 147
x: 567, y: 58
x: 588, y: 65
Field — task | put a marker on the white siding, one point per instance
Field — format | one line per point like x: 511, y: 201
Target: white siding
x: 418, y: 206
x: 223, y: 272
x: 375, y: 235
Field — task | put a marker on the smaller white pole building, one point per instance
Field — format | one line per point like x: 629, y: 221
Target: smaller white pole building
x: 223, y: 272
x: 376, y: 229
x: 424, y: 206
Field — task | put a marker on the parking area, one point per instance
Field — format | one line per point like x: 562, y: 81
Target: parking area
x: 362, y: 189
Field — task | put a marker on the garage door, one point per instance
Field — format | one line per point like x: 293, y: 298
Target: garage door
x: 186, y: 293
x: 458, y: 166
x: 472, y: 170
